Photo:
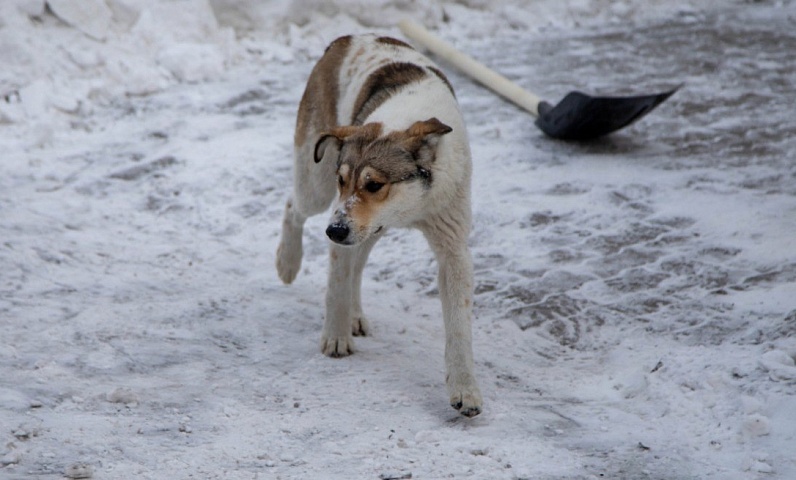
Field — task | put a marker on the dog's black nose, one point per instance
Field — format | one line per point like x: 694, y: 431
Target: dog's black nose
x: 337, y: 232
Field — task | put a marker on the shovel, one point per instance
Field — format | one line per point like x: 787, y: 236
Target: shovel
x: 577, y: 117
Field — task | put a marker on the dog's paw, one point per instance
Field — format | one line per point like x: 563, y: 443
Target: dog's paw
x: 337, y: 347
x: 466, y: 398
x: 360, y: 326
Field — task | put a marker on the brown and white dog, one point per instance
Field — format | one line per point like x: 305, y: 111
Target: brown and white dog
x: 379, y: 128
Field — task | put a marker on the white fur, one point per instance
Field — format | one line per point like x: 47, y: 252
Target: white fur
x: 442, y: 212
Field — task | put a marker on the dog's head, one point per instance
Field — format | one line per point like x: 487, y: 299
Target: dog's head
x: 382, y: 179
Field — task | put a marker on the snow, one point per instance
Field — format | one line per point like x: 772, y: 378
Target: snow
x: 634, y: 296
x: 92, y: 17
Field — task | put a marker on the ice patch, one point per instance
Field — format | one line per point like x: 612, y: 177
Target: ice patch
x: 13, y: 400
x: 34, y: 98
x: 32, y: 8
x: 756, y: 425
x: 427, y: 436
x: 122, y: 395
x: 92, y: 17
x: 780, y: 365
x: 10, y: 458
x: 192, y: 62
x: 168, y: 23
x: 79, y: 471
x: 758, y: 462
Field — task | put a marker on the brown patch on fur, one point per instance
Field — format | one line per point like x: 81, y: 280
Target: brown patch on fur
x: 358, y: 54
x: 368, y: 175
x: 344, y: 171
x: 354, y: 61
x: 393, y: 41
x: 361, y: 215
x: 420, y: 141
x: 356, y: 135
x: 367, y: 203
x: 396, y: 157
x: 419, y: 135
x: 432, y: 126
x: 442, y: 77
x: 362, y: 134
x: 382, y: 84
x: 318, y: 107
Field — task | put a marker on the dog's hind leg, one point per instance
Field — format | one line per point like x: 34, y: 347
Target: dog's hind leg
x: 290, y: 251
x: 313, y: 191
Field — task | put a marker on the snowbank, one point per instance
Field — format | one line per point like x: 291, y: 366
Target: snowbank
x: 105, y: 49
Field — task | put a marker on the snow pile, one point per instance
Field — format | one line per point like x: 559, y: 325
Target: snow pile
x: 54, y: 74
x: 92, y: 17
x: 781, y: 365
x: 110, y: 48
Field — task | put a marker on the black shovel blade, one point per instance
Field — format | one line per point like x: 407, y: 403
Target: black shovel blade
x: 582, y: 117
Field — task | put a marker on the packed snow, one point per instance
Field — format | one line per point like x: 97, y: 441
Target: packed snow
x: 635, y: 296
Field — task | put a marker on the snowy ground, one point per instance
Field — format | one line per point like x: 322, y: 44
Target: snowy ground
x: 635, y: 296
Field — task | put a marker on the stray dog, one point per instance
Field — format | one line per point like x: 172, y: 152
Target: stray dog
x: 379, y: 128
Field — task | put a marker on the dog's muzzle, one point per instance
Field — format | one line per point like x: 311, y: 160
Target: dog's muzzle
x: 338, y: 232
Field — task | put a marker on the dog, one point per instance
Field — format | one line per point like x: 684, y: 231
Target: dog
x: 380, y: 134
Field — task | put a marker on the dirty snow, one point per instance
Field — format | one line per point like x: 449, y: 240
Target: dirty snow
x: 634, y: 296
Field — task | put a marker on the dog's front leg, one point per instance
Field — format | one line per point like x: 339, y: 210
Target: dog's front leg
x: 336, y: 340
x: 344, y: 315
x: 456, y: 293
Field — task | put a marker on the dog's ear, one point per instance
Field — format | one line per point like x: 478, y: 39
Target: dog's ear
x: 422, y: 137
x: 430, y: 129
x: 336, y: 136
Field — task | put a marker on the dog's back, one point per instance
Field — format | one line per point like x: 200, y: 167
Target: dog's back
x: 359, y: 79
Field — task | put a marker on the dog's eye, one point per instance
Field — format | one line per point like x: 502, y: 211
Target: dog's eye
x: 340, y: 181
x: 373, y: 187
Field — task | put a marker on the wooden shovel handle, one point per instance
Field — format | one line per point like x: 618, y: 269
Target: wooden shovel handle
x: 489, y: 78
